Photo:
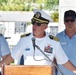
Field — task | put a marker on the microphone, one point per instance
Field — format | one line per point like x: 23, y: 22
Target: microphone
x: 34, y: 45
x: 62, y: 73
x: 33, y: 41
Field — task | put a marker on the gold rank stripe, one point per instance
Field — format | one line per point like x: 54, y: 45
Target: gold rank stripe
x: 40, y: 20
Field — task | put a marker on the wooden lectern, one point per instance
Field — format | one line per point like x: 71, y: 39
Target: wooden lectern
x: 27, y: 70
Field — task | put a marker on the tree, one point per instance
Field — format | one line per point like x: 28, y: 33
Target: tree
x: 51, y: 4
x: 55, y: 16
x: 26, y: 5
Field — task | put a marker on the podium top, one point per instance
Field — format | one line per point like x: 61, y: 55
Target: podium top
x: 27, y: 70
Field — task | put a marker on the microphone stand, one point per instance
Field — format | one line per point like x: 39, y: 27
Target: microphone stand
x: 49, y: 59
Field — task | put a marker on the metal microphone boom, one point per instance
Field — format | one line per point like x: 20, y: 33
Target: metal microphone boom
x: 49, y: 59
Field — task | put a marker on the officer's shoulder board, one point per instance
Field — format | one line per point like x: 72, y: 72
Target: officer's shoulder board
x: 24, y: 35
x: 0, y: 34
x: 53, y: 38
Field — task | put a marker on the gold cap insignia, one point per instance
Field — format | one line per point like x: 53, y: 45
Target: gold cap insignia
x: 37, y: 15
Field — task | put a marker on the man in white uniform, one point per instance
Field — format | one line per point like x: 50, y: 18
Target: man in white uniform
x: 50, y: 47
x: 32, y: 55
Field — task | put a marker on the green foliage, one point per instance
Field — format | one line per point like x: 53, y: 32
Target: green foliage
x: 26, y: 5
x: 55, y: 16
x: 29, y: 5
x: 51, y: 4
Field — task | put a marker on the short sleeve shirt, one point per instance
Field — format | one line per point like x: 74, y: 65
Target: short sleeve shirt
x: 69, y: 47
x: 4, y: 48
x: 50, y: 47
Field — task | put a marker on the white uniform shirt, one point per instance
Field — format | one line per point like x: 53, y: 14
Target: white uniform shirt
x: 25, y: 47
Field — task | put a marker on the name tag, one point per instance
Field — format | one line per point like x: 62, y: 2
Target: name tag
x: 64, y: 43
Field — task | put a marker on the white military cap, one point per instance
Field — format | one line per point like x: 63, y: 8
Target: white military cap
x: 41, y: 17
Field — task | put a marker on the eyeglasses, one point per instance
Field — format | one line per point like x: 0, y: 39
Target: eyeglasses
x: 38, y: 24
x: 67, y: 20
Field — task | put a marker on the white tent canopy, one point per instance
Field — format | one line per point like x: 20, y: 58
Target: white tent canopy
x: 12, y: 16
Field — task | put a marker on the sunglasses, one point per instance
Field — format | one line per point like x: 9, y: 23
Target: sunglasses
x: 67, y: 20
x: 38, y: 24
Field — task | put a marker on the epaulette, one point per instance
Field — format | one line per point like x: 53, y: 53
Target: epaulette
x: 53, y: 37
x: 25, y: 35
x: 0, y: 34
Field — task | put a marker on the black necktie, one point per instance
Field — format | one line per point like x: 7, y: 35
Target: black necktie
x: 22, y: 60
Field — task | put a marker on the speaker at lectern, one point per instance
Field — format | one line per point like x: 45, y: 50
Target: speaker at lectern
x: 27, y: 70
